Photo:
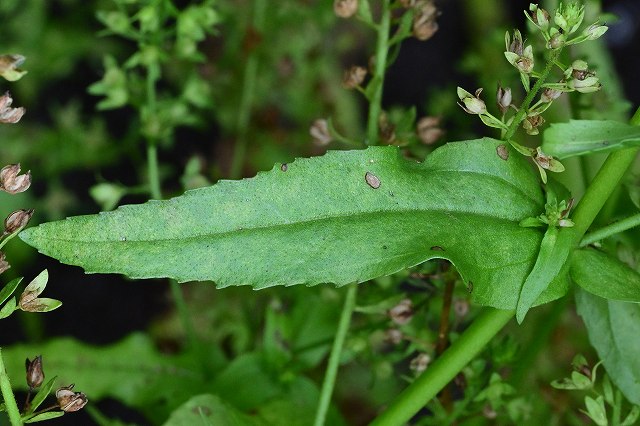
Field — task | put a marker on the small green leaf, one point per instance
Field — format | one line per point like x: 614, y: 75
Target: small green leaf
x: 322, y: 220
x: 607, y: 390
x: 210, y: 410
x: 580, y: 137
x: 581, y: 381
x: 613, y: 329
x: 8, y: 308
x: 551, y: 259
x: 45, y: 416
x: 42, y: 394
x: 364, y: 12
x: 632, y: 417
x: 8, y: 289
x: 35, y: 287
x: 596, y: 410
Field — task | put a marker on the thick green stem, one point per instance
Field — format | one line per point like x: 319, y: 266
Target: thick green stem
x: 445, y: 368
x: 382, y: 49
x: 524, y: 108
x: 249, y: 80
x: 612, y: 229
x: 7, y: 395
x: 334, y: 358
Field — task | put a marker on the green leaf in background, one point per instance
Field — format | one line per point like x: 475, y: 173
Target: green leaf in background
x: 345, y: 217
x: 604, y: 275
x: 580, y: 137
x: 613, y: 329
x: 131, y: 371
x: 210, y: 410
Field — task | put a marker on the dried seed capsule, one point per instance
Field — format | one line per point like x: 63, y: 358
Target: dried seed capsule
x: 35, y: 374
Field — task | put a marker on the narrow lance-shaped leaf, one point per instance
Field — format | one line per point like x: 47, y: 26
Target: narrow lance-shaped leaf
x: 345, y: 217
x: 580, y: 137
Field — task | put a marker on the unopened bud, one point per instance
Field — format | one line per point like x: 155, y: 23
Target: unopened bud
x: 12, y: 182
x: 9, y: 67
x: 345, y: 8
x: 550, y: 95
x: 319, y: 131
x: 17, y: 220
x: 547, y: 162
x: 70, y: 401
x: 353, y: 77
x: 503, y: 98
x: 470, y: 103
x: 420, y: 363
x: 424, y: 20
x: 556, y: 41
x: 539, y: 17
x: 402, y: 312
x: 531, y: 124
x: 393, y: 336
x: 595, y: 31
x: 4, y: 265
x: 428, y: 130
x: 35, y: 374
x: 8, y: 114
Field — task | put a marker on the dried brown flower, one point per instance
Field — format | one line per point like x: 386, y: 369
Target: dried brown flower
x: 428, y: 130
x: 319, y: 131
x: 12, y: 182
x: 8, y: 114
x: 402, y: 312
x: 17, y: 220
x: 70, y: 401
x: 353, y: 77
x: 424, y: 20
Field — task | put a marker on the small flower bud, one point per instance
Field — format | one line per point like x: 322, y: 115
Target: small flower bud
x: 35, y: 374
x: 353, y: 77
x: 428, y: 130
x: 70, y: 401
x: 345, y: 8
x: 470, y: 103
x: 9, y: 67
x: 4, y: 265
x: 557, y: 40
x: 503, y: 99
x: 402, y: 312
x: 12, y: 182
x: 569, y: 17
x: 420, y: 363
x: 424, y: 20
x: 550, y: 95
x: 595, y: 31
x: 531, y: 124
x: 319, y: 131
x: 8, y: 114
x: 393, y: 336
x: 17, y: 220
x: 539, y: 17
x: 581, y: 79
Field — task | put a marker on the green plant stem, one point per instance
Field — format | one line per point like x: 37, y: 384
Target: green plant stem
x: 249, y: 80
x: 152, y: 171
x: 334, y: 357
x: 7, y: 395
x: 445, y: 368
x: 382, y: 46
x: 612, y: 229
x: 524, y: 108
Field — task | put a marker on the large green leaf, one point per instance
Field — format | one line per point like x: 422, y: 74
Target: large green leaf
x: 613, y: 328
x: 579, y: 137
x: 345, y: 217
x: 605, y: 275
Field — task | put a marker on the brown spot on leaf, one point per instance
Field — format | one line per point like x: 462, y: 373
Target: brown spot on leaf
x: 502, y: 152
x: 372, y: 180
x: 437, y: 248
x: 284, y: 167
x: 470, y: 287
